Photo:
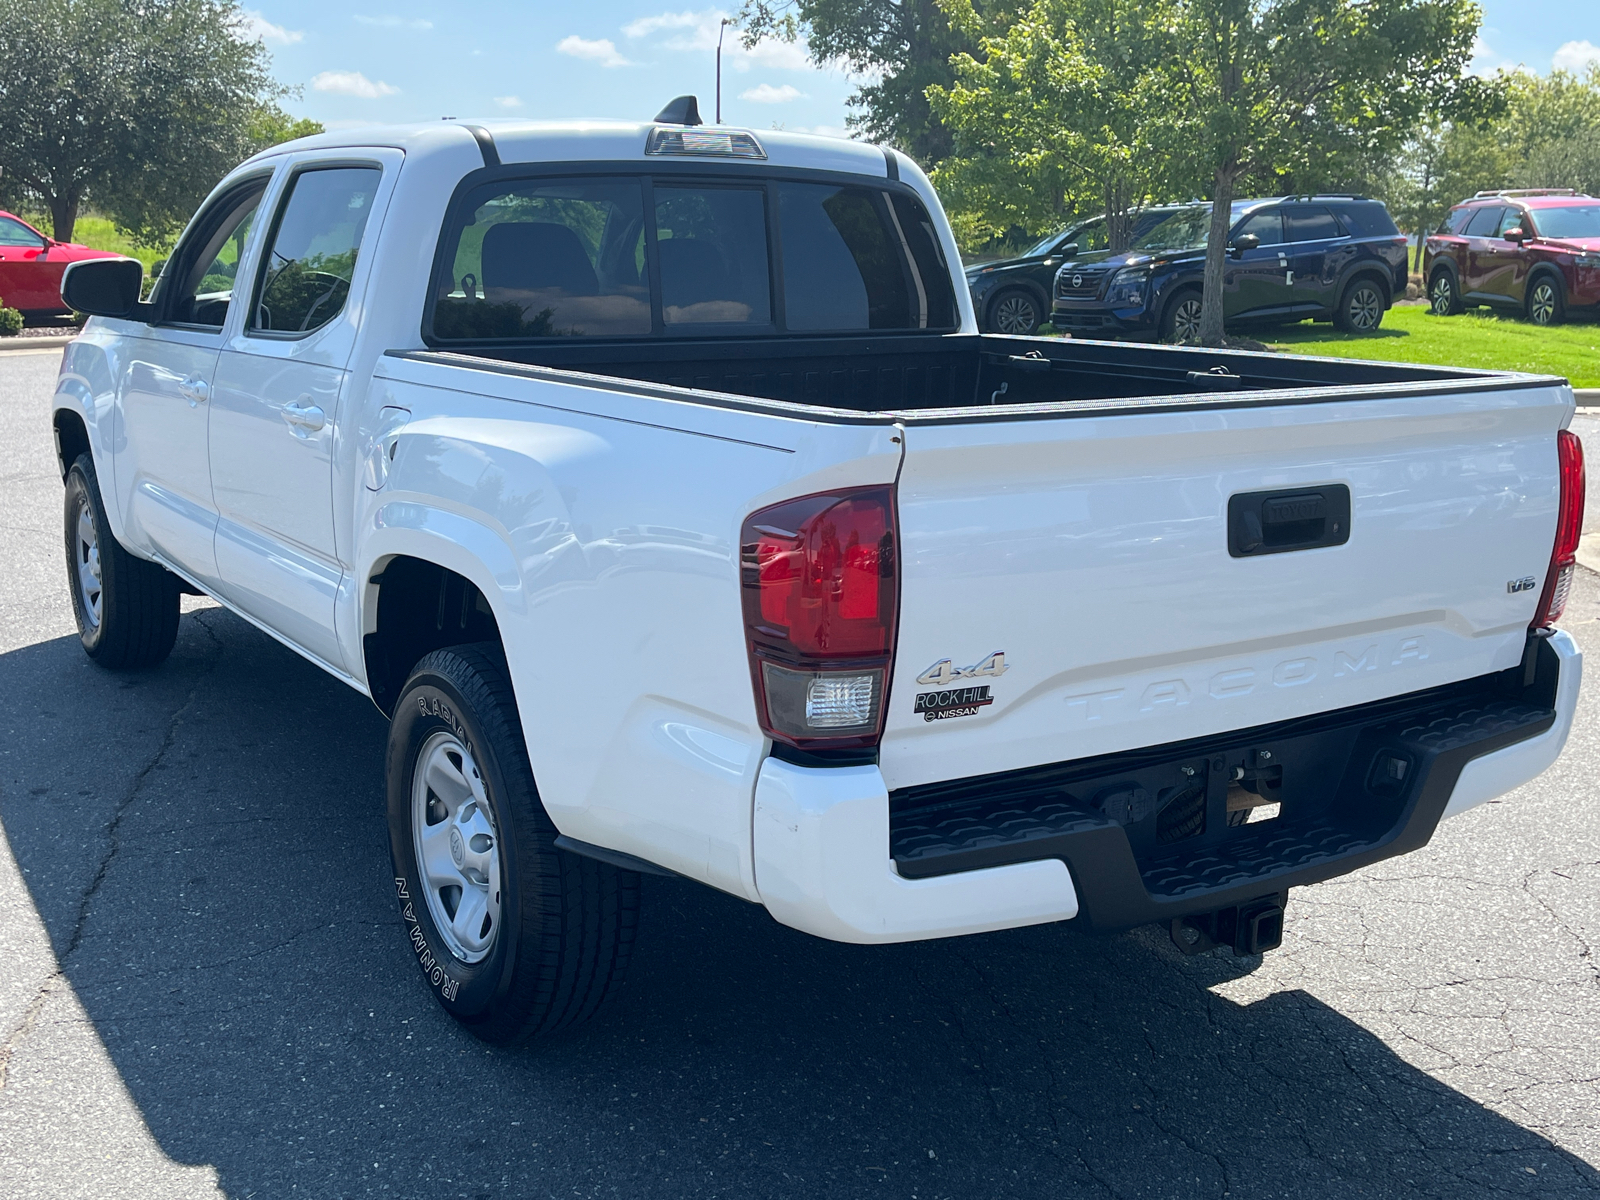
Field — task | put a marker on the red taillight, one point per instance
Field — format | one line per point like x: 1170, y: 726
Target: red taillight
x: 819, y: 582
x: 1569, y: 528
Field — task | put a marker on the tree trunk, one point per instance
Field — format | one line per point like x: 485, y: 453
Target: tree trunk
x: 1211, y: 327
x: 63, y: 215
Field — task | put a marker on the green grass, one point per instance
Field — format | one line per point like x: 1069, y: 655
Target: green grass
x: 1476, y: 338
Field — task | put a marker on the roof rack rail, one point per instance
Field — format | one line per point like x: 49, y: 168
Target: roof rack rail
x: 1512, y: 192
x: 1309, y: 196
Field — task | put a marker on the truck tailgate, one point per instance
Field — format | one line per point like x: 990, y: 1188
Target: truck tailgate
x: 1092, y: 553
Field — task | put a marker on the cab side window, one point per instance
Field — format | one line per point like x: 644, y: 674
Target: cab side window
x: 15, y: 233
x: 1311, y: 225
x: 1485, y: 222
x: 1268, y: 226
x: 305, y: 276
x: 201, y: 281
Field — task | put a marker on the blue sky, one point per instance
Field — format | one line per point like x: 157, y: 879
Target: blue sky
x: 626, y: 58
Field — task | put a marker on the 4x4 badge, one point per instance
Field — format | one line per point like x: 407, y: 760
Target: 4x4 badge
x: 942, y: 674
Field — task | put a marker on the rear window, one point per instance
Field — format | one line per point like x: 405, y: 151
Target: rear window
x: 1368, y: 220
x: 572, y: 258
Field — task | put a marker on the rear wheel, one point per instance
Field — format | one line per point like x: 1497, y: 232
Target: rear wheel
x: 1014, y: 311
x: 1546, y: 304
x: 126, y: 608
x: 1360, y: 308
x: 1442, y: 295
x: 1181, y: 321
x: 515, y: 937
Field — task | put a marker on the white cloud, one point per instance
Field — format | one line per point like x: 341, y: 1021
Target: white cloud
x: 252, y: 27
x: 600, y: 50
x: 1576, y: 56
x: 698, y: 31
x: 389, y: 21
x: 351, y: 83
x: 1486, y: 60
x: 767, y: 94
x: 508, y: 101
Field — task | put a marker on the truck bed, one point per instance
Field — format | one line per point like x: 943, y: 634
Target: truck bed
x: 960, y: 371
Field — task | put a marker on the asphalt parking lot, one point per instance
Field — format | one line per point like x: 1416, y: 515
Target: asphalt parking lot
x: 204, y: 989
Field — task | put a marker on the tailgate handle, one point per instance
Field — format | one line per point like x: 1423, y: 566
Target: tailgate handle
x: 1281, y: 521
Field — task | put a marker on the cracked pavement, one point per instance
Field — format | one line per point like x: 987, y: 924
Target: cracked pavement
x: 206, y: 991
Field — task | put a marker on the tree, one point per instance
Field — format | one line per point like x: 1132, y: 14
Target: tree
x: 1064, y: 111
x: 143, y: 104
x: 1262, y: 85
x: 900, y: 48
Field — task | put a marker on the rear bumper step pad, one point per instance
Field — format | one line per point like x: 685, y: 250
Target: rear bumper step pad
x: 1355, y: 786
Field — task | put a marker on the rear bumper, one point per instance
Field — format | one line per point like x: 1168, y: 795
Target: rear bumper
x: 836, y: 856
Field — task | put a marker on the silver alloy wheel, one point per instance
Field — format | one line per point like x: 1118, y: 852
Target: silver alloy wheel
x: 458, y: 851
x: 1542, y: 303
x: 1186, y: 320
x: 1366, y: 308
x: 1015, y: 314
x: 86, y: 558
x: 1441, y: 296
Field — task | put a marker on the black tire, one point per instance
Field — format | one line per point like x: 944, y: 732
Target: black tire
x: 1180, y: 320
x: 126, y: 608
x: 1443, y: 297
x: 1361, y: 306
x: 565, y: 923
x: 1014, y: 311
x: 1546, y: 302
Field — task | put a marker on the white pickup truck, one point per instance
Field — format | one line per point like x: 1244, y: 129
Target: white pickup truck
x: 654, y: 479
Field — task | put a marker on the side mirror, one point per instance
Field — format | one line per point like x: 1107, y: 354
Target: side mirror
x: 1515, y: 234
x: 1245, y: 241
x: 103, y: 287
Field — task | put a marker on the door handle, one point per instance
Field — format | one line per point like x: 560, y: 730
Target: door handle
x: 195, y: 390
x: 306, y: 417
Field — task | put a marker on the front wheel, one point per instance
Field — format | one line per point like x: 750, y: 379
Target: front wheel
x: 126, y: 608
x: 1546, y: 304
x: 1014, y: 312
x: 1181, y: 321
x: 515, y: 937
x: 1360, y: 308
x: 1442, y: 295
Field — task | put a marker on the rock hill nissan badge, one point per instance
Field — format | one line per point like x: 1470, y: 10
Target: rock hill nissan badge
x: 962, y: 701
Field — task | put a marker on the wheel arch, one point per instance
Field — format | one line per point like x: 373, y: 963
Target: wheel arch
x: 72, y: 437
x: 414, y: 605
x: 1369, y: 271
x: 1550, y: 271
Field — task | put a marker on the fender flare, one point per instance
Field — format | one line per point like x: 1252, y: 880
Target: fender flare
x: 1539, y: 270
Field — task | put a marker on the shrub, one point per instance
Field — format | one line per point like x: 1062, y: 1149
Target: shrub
x: 10, y: 321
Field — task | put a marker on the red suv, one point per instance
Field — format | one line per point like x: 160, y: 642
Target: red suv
x: 1534, y: 251
x: 31, y: 266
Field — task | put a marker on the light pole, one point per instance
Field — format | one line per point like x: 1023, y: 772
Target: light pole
x: 721, y: 29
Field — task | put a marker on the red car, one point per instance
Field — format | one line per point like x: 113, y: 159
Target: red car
x: 31, y: 266
x: 1536, y: 252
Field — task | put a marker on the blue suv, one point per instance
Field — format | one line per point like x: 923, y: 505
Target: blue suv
x: 1289, y: 258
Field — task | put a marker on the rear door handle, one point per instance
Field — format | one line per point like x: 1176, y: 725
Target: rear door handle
x: 304, y: 418
x: 195, y: 390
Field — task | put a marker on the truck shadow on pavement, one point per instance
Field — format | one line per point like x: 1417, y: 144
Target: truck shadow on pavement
x: 206, y: 848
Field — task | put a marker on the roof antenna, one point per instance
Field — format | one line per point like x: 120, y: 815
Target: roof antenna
x: 685, y: 110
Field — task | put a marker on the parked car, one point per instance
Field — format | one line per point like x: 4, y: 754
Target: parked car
x: 1289, y: 259
x: 1535, y: 252
x: 657, y: 485
x: 1012, y: 295
x: 31, y: 265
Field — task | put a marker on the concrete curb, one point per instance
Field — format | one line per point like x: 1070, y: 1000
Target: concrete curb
x: 1586, y: 397
x: 24, y: 344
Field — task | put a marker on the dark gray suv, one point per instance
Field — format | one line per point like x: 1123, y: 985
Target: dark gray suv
x: 1289, y: 259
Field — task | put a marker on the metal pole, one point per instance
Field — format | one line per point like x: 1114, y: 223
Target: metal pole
x: 723, y: 28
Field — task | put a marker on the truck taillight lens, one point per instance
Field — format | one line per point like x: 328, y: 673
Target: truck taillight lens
x: 1569, y: 528
x: 820, y: 597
